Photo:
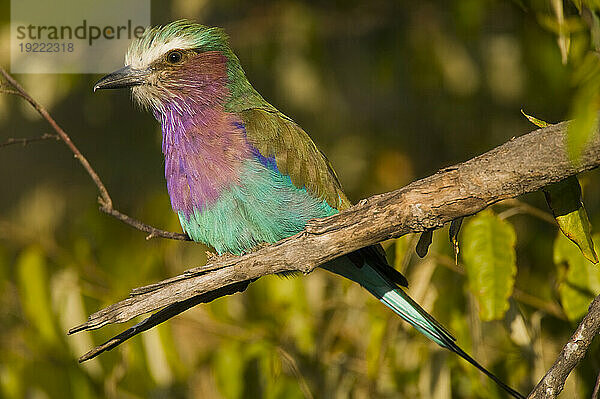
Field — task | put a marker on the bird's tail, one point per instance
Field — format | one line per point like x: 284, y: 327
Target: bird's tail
x: 378, y: 282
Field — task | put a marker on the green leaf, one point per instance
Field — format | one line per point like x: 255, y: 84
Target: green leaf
x: 564, y: 198
x: 595, y: 30
x: 568, y: 25
x: 80, y: 385
x: 156, y: 357
x: 12, y: 381
x: 401, y: 251
x: 35, y: 294
x: 582, y: 280
x: 376, y: 336
x: 536, y: 121
x: 591, y: 4
x: 228, y: 367
x: 490, y: 262
x: 584, y: 109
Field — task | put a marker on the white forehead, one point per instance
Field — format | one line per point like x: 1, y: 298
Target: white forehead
x: 140, y: 55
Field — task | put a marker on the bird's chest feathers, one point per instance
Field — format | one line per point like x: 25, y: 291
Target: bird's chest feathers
x: 224, y: 195
x: 203, y: 157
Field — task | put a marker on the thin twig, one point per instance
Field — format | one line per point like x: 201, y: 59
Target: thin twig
x: 517, y: 207
x: 297, y: 373
x: 548, y: 307
x: 596, y: 388
x: 520, y: 295
x: 105, y: 201
x: 153, y: 232
x: 4, y: 90
x: 25, y: 141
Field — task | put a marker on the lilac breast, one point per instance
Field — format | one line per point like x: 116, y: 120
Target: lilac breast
x: 203, y: 156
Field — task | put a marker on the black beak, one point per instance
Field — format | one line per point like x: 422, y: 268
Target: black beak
x: 124, y: 77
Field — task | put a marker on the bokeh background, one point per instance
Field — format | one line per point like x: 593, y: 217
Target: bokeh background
x: 391, y: 91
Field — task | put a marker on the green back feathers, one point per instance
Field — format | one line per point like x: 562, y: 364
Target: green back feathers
x: 296, y: 155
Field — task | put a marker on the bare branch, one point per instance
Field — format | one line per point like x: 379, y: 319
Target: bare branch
x: 63, y: 136
x: 519, y: 207
x: 153, y: 232
x: 105, y: 201
x: 4, y: 90
x: 519, y: 166
x: 25, y: 141
x: 162, y: 316
x: 553, y: 382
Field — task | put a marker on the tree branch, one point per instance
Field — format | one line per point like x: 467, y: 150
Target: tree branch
x: 520, y: 166
x: 25, y: 141
x: 162, y: 316
x: 596, y: 391
x: 553, y: 382
x: 105, y: 201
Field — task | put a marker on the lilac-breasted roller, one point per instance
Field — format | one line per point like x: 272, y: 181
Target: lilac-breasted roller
x: 239, y: 172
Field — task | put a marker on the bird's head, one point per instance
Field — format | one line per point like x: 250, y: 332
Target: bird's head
x: 176, y: 66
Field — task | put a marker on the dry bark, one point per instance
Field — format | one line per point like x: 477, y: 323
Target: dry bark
x: 574, y: 350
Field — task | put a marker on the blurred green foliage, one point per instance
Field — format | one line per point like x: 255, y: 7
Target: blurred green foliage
x: 581, y: 279
x: 391, y: 91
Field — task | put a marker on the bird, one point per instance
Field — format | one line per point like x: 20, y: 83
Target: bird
x: 239, y: 172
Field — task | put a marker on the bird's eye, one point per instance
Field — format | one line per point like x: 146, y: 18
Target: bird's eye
x: 174, y: 57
